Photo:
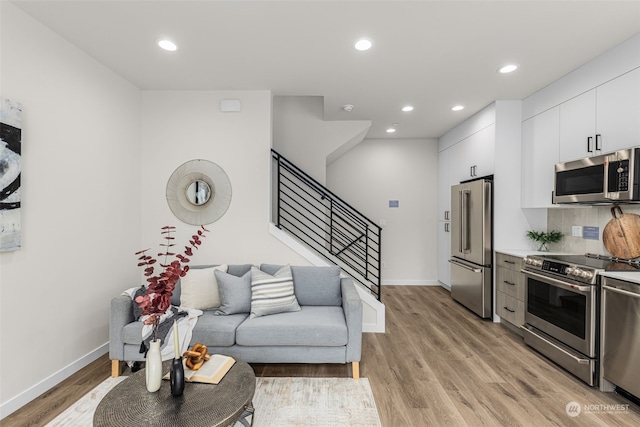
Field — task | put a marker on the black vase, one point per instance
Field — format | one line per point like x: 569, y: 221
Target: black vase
x: 177, y: 377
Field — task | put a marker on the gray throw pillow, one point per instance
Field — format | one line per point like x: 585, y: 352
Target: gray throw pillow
x: 235, y: 293
x: 272, y: 294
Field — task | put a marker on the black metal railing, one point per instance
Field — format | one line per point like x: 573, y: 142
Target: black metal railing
x: 325, y: 223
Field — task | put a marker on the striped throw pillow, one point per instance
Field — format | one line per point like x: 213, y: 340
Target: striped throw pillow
x: 272, y: 294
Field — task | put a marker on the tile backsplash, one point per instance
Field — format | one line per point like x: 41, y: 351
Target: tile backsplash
x: 563, y: 219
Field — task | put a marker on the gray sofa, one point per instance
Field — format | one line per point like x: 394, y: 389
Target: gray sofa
x: 326, y: 329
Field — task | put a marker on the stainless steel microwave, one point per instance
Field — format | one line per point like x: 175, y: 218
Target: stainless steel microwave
x: 604, y: 179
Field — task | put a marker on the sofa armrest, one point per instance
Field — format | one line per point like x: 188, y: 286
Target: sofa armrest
x: 120, y: 315
x: 352, y: 306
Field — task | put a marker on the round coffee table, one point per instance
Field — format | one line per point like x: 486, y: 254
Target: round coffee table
x: 130, y: 404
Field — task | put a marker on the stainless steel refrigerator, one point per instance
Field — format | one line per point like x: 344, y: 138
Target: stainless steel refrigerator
x: 471, y: 246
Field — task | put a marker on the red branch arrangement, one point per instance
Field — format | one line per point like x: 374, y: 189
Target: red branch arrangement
x: 160, y: 286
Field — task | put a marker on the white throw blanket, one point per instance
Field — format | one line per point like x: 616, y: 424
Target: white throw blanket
x: 185, y: 327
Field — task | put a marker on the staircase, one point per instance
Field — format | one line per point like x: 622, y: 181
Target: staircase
x: 328, y: 231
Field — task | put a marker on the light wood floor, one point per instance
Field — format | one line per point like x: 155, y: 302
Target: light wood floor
x: 438, y: 364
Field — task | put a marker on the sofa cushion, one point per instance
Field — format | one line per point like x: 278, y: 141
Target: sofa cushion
x: 217, y: 331
x: 318, y: 326
x: 235, y: 293
x: 200, y: 288
x: 272, y: 294
x: 313, y: 285
x: 234, y: 269
x: 210, y: 330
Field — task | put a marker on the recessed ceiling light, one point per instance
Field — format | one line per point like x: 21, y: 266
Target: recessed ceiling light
x: 391, y: 130
x: 508, y: 69
x: 407, y: 108
x: 167, y: 44
x: 458, y: 108
x: 364, y: 44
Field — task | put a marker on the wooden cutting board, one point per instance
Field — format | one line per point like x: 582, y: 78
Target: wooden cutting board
x: 621, y: 235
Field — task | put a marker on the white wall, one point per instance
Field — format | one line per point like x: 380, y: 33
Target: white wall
x: 511, y: 223
x: 379, y: 170
x: 302, y: 136
x: 178, y: 126
x: 80, y: 207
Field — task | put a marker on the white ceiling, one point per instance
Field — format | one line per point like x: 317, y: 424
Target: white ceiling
x: 430, y: 54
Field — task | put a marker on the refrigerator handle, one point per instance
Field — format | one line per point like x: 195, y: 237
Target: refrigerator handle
x: 464, y: 221
x: 460, y: 221
x: 459, y: 264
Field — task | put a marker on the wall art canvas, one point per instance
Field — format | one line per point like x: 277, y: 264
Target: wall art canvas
x: 10, y: 169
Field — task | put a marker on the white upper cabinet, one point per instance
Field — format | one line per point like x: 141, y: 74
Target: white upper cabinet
x: 540, y: 146
x: 473, y: 157
x: 482, y: 147
x: 578, y: 127
x: 618, y: 112
x: 601, y: 120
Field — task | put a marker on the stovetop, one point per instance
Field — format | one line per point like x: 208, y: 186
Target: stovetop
x: 580, y: 268
x: 597, y: 262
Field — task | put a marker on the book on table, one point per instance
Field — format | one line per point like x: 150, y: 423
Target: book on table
x: 211, y: 372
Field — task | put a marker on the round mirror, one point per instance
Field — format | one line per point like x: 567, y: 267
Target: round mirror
x: 198, y: 193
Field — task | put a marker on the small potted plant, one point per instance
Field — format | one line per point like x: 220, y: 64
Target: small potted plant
x: 543, y: 238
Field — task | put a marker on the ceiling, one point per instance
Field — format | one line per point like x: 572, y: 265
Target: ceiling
x: 430, y: 54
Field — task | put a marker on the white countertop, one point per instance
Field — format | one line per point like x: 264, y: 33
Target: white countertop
x: 523, y: 253
x: 629, y: 276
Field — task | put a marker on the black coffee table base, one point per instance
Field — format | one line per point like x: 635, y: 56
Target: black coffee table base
x: 130, y: 404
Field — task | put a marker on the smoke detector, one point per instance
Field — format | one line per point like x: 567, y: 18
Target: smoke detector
x: 347, y: 108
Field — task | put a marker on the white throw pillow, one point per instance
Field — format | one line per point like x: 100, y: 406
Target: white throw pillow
x: 199, y: 288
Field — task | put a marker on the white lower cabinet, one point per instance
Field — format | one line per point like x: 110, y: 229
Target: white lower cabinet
x: 444, y: 253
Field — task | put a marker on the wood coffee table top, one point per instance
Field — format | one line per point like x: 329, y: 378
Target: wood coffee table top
x: 130, y: 404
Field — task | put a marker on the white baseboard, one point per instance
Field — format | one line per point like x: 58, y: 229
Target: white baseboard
x: 401, y: 282
x: 17, y: 402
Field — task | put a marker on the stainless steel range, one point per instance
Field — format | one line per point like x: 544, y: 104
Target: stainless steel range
x: 562, y: 309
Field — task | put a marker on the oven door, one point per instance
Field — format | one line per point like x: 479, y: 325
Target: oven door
x: 563, y: 310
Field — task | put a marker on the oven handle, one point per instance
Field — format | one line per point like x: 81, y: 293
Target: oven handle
x: 579, y: 360
x: 621, y: 291
x: 557, y: 282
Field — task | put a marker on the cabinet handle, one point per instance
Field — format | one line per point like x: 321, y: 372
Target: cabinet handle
x: 598, y: 142
x: 446, y: 227
x: 589, y: 140
x: 470, y: 170
x: 446, y: 215
x: 506, y: 261
x: 509, y: 310
x: 509, y: 283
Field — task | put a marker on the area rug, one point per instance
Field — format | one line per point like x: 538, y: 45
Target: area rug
x: 281, y: 402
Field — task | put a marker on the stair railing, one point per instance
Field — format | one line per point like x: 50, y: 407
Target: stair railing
x: 324, y: 222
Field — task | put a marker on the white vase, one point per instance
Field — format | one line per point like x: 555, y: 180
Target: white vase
x: 153, y: 366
